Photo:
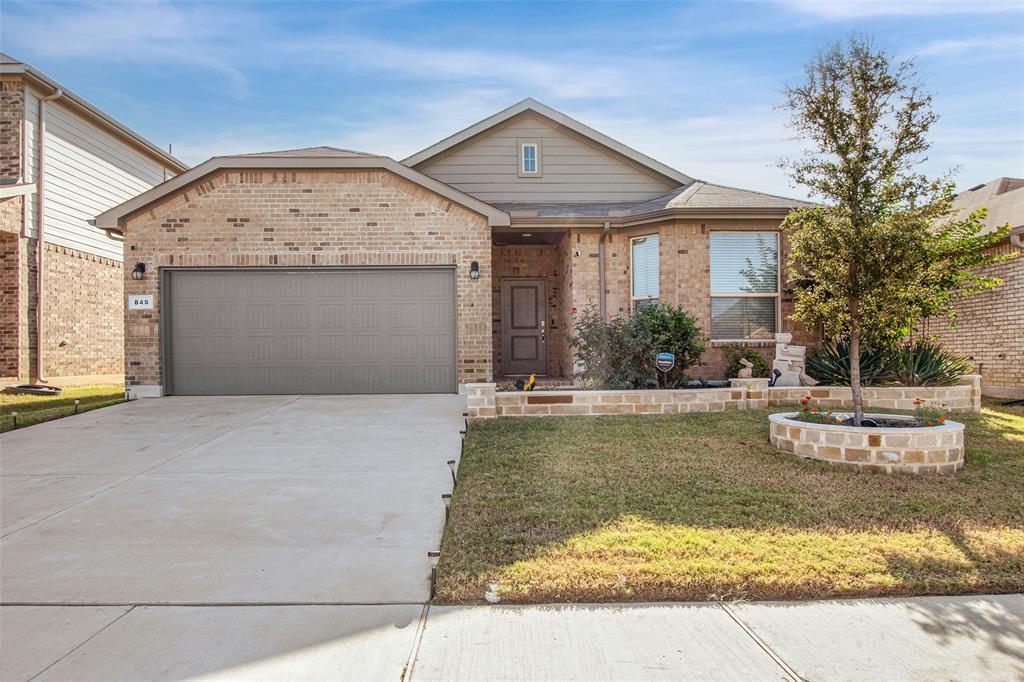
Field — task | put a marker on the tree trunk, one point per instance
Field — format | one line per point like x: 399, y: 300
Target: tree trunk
x: 858, y: 400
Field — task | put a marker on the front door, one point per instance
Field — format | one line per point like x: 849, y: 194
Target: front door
x: 524, y: 346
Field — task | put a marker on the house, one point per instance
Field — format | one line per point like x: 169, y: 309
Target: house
x: 62, y: 161
x: 331, y: 271
x: 990, y: 326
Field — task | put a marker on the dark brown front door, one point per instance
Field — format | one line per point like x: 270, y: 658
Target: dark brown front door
x: 524, y: 346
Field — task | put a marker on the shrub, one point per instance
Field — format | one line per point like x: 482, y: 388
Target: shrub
x: 830, y: 364
x: 672, y: 330
x: 606, y: 352
x: 735, y: 352
x: 926, y: 363
x: 619, y: 353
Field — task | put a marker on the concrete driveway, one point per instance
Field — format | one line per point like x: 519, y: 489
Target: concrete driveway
x: 287, y: 509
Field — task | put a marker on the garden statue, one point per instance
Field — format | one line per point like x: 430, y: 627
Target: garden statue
x: 790, y: 362
x: 748, y: 369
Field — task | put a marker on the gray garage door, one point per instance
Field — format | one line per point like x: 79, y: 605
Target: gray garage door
x: 250, y: 332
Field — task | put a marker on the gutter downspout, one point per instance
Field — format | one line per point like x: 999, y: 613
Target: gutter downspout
x: 41, y: 228
x: 600, y: 271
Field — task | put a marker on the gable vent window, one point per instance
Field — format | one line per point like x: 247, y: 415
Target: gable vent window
x: 529, y: 159
x: 744, y: 285
x: 645, y: 270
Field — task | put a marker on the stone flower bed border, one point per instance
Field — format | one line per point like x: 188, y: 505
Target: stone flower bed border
x: 484, y: 401
x: 920, y: 450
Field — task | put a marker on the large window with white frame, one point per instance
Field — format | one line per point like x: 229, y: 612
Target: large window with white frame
x: 644, y: 261
x: 744, y: 285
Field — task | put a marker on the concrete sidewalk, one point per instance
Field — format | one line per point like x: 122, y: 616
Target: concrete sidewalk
x: 932, y: 638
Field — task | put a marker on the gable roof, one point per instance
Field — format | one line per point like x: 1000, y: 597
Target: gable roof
x: 707, y: 195
x: 1004, y: 199
x: 313, y: 151
x: 530, y: 104
x: 312, y: 158
x: 11, y: 66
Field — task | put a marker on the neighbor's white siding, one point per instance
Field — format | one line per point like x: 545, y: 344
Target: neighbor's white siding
x: 88, y: 171
x: 573, y: 169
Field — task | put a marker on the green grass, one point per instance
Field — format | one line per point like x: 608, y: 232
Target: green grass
x: 33, y: 409
x: 701, y: 506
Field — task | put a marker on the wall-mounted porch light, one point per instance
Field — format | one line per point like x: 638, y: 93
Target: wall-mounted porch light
x: 140, y: 271
x: 474, y: 270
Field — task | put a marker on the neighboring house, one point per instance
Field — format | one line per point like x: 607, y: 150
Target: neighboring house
x: 62, y: 161
x: 990, y: 326
x: 328, y: 271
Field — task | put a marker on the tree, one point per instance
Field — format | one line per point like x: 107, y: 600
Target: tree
x: 882, y: 249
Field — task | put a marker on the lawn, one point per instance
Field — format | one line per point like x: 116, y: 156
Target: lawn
x: 33, y: 409
x: 700, y: 506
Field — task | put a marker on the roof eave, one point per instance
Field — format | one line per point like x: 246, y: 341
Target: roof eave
x: 111, y: 219
x: 755, y: 213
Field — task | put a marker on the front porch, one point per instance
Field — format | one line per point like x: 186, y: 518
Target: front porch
x: 532, y: 306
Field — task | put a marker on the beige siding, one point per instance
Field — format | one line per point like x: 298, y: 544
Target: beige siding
x: 573, y: 169
x: 87, y: 171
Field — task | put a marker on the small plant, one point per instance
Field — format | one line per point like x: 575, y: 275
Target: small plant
x: 928, y: 414
x: 926, y: 363
x: 830, y: 364
x: 814, y: 414
x: 735, y: 352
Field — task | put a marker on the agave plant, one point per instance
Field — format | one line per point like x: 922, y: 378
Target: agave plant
x: 926, y: 363
x: 830, y: 364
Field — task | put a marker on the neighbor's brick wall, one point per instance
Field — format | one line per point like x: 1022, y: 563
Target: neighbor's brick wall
x: 9, y: 304
x: 12, y: 108
x: 990, y: 328
x: 310, y: 218
x: 83, y: 322
x: 511, y: 262
x: 685, y: 279
x: 83, y: 314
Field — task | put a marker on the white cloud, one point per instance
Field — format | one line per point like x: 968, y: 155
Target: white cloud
x: 837, y: 10
x: 975, y: 47
x: 148, y: 32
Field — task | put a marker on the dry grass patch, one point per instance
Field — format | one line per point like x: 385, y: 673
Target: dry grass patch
x: 696, y: 507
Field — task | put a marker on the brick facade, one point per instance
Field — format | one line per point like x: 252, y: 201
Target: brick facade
x: 12, y: 107
x: 990, y: 329
x: 83, y: 319
x: 685, y: 279
x: 302, y: 219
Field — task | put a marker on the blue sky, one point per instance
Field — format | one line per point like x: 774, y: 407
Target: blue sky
x: 694, y: 84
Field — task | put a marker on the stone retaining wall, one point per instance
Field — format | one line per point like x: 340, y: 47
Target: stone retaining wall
x: 930, y: 449
x: 484, y: 401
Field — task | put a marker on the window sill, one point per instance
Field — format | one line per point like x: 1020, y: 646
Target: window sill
x: 746, y: 342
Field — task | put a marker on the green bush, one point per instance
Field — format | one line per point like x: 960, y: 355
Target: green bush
x: 830, y: 364
x: 735, y: 352
x: 926, y: 363
x: 619, y: 353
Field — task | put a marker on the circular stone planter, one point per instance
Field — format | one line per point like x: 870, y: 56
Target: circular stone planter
x: 918, y: 450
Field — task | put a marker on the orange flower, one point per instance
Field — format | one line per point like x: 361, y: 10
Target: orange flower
x: 931, y: 423
x: 919, y: 402
x: 942, y: 420
x: 805, y: 401
x: 815, y: 409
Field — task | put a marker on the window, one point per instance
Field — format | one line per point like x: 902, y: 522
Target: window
x: 645, y: 270
x: 529, y: 158
x: 744, y: 285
